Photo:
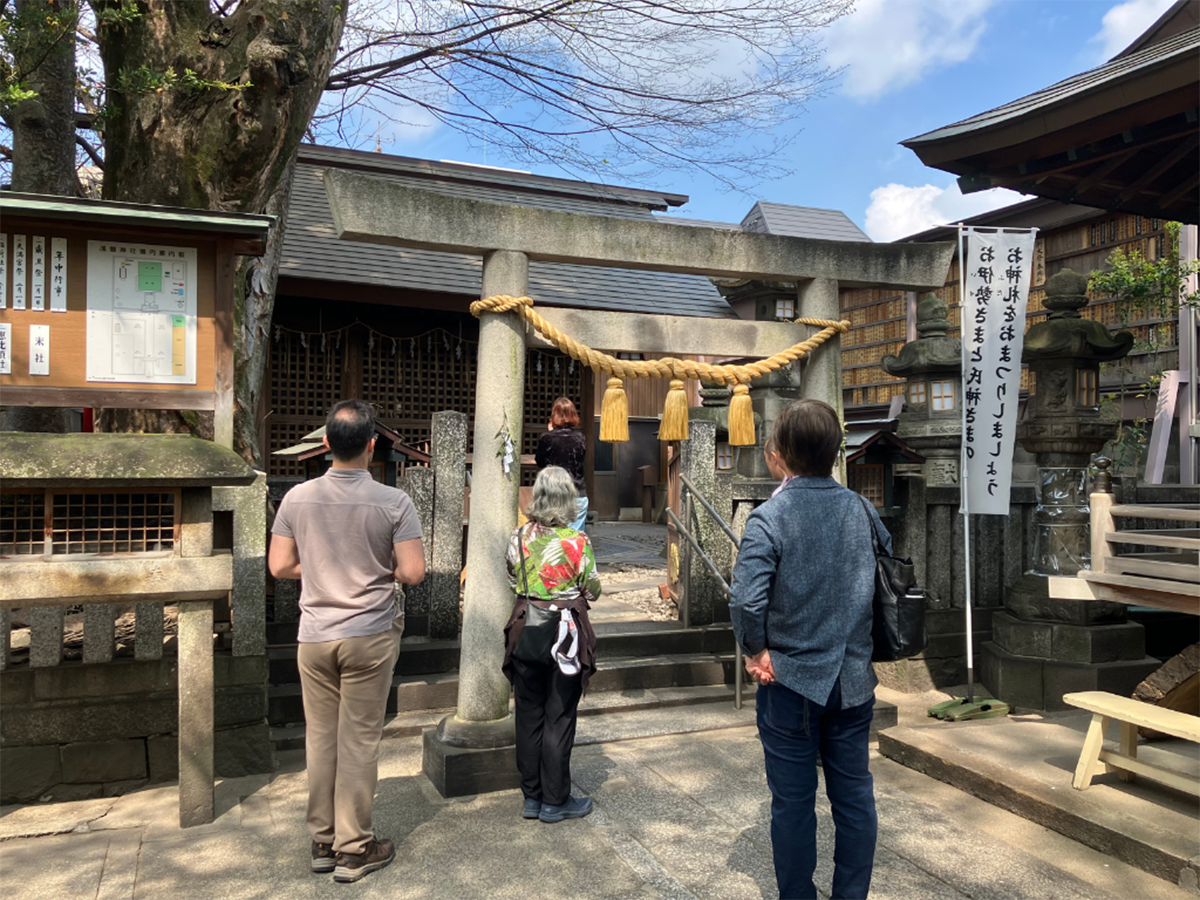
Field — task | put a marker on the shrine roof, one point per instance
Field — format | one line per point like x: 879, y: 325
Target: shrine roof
x: 312, y: 249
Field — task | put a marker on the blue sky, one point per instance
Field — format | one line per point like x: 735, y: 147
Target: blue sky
x: 910, y: 66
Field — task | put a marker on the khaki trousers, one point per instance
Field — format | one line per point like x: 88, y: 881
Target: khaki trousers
x: 345, y: 685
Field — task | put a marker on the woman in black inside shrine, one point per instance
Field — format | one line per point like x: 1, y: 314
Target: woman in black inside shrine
x: 562, y: 445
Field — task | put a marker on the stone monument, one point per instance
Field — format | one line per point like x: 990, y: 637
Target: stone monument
x: 932, y: 420
x: 1043, y: 648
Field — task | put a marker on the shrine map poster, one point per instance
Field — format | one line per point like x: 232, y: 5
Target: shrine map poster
x: 141, y: 313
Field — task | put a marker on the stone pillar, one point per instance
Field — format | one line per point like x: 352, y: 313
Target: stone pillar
x: 817, y: 298
x: 46, y: 636
x: 449, y: 452
x: 148, y: 630
x: 698, y: 463
x: 417, y: 482
x: 98, y: 637
x: 470, y: 751
x: 249, y: 595
x: 1043, y: 648
x: 195, y: 713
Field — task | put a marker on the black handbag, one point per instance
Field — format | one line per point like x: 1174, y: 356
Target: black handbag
x: 898, y: 620
x: 541, y: 625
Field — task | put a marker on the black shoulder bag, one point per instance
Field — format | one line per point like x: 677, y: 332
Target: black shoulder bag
x: 898, y: 621
x: 541, y: 625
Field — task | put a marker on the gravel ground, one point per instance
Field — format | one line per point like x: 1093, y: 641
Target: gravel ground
x: 645, y: 599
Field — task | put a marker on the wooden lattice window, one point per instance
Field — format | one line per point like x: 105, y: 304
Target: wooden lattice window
x: 1085, y: 388
x: 305, y: 381
x: 943, y: 395
x: 916, y: 392
x: 785, y: 309
x: 22, y: 524
x: 89, y: 523
x: 867, y: 479
x: 724, y: 456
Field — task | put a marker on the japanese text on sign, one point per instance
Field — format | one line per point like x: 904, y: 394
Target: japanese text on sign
x: 997, y: 269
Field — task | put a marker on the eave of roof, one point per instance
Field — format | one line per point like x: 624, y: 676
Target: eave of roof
x: 106, y: 212
x: 1038, y: 212
x: 1173, y: 51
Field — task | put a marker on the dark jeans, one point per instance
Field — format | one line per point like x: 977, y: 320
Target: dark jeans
x: 793, y: 729
x: 547, y: 701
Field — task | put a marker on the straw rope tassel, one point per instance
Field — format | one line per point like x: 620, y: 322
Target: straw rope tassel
x: 614, y: 413
x: 674, y: 425
x: 741, y: 417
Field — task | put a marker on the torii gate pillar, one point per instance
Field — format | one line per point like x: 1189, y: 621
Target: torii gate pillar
x: 483, y: 720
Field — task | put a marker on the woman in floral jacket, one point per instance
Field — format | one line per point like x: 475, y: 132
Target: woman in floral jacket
x: 551, y: 565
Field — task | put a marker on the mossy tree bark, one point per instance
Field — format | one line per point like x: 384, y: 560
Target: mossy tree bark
x: 224, y: 137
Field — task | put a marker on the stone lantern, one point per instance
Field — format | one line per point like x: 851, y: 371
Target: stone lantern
x: 1043, y: 648
x: 932, y: 420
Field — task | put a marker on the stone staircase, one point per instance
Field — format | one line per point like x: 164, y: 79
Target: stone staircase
x: 641, y: 666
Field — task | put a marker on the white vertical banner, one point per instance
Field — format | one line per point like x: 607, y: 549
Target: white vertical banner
x: 5, y: 348
x: 58, y: 274
x: 18, y: 269
x: 39, y: 349
x: 3, y: 271
x: 37, y: 286
x: 996, y: 267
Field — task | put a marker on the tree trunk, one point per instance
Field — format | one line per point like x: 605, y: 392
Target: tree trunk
x: 44, y: 125
x: 208, y: 147
x: 43, y: 130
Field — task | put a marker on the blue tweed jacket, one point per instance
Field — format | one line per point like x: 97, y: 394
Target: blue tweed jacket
x: 803, y: 585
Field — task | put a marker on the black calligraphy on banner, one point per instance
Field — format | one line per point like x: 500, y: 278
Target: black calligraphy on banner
x: 995, y: 293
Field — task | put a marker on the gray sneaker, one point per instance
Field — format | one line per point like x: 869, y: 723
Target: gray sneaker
x: 353, y: 866
x: 531, y: 808
x: 574, y: 808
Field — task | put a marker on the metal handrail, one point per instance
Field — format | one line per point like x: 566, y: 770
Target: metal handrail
x: 739, y: 661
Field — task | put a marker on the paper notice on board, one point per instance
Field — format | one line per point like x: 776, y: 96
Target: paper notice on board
x: 18, y: 268
x: 37, y: 286
x: 5, y: 348
x: 39, y: 349
x: 58, y: 274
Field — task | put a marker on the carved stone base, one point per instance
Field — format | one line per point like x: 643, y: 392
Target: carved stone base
x: 1039, y: 684
x: 1069, y: 643
x: 1029, y: 599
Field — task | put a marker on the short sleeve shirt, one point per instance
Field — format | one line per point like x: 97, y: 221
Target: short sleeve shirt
x: 344, y: 524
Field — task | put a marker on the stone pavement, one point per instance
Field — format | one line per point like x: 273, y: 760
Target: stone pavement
x: 678, y: 817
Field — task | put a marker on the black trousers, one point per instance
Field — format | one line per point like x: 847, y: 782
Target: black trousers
x: 547, y: 702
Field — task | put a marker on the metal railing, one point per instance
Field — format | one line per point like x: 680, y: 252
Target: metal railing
x: 694, y: 544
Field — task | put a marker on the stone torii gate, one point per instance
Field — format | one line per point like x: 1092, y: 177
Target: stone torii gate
x: 472, y: 751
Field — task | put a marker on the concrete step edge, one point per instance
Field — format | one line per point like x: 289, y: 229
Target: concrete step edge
x: 1023, y: 796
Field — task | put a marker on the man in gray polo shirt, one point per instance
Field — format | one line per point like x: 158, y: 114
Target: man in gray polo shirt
x: 349, y: 539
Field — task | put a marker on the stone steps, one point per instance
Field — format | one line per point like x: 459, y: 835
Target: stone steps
x: 412, y: 693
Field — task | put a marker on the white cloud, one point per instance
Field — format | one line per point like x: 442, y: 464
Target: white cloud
x: 898, y: 210
x: 1125, y: 22
x: 889, y: 44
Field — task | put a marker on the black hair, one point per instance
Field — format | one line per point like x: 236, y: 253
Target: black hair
x: 349, y: 427
x: 809, y: 436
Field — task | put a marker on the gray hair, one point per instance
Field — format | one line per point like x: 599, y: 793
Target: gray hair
x: 554, y: 498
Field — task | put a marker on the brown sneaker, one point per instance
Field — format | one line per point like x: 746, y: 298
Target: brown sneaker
x: 353, y: 866
x: 323, y: 858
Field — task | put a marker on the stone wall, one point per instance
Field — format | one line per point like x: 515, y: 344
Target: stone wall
x: 77, y: 731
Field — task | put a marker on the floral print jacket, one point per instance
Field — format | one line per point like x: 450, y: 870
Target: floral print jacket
x: 558, y: 563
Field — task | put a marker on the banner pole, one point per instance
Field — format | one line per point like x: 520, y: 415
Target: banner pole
x: 963, y: 505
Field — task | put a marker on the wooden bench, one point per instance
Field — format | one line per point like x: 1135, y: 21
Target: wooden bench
x: 1131, y: 714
